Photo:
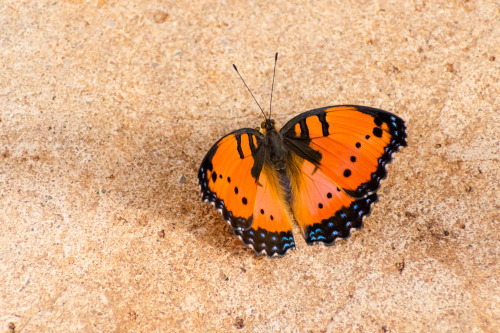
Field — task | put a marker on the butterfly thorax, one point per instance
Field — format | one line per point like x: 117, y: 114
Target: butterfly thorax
x: 275, y: 148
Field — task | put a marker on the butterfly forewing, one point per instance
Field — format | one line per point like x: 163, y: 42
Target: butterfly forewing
x: 226, y: 179
x: 354, y: 144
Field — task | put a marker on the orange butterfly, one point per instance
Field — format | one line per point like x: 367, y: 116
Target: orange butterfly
x: 325, y: 164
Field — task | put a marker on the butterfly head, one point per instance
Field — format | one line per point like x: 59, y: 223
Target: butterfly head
x: 268, y: 125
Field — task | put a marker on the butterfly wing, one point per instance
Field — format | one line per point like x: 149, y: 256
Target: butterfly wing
x: 246, y: 190
x: 336, y: 162
x: 271, y: 230
x: 324, y: 210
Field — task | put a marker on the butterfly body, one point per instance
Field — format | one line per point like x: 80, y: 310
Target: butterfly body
x: 323, y: 167
x: 275, y: 148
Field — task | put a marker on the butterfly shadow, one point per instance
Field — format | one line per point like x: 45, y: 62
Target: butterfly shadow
x: 161, y: 192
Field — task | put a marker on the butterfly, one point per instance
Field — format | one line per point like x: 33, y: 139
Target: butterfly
x: 324, y: 166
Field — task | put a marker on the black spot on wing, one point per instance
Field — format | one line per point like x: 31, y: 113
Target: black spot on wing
x: 377, y: 132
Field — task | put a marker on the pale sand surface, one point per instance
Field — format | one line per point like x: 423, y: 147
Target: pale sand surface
x: 108, y: 107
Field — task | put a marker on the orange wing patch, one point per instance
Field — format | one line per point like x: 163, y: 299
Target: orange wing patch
x: 316, y: 197
x: 350, y: 144
x: 228, y: 176
x: 323, y: 210
x: 271, y: 230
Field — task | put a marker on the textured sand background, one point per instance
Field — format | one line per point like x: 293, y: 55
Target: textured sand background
x: 108, y: 107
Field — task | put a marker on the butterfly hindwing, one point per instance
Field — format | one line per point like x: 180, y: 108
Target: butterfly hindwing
x: 271, y: 230
x: 336, y: 161
x: 323, y: 210
x: 235, y: 178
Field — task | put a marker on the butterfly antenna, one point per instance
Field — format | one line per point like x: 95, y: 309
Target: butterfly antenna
x: 236, y: 69
x: 272, y: 86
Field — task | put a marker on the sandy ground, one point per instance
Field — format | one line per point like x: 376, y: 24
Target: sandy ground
x: 108, y: 107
